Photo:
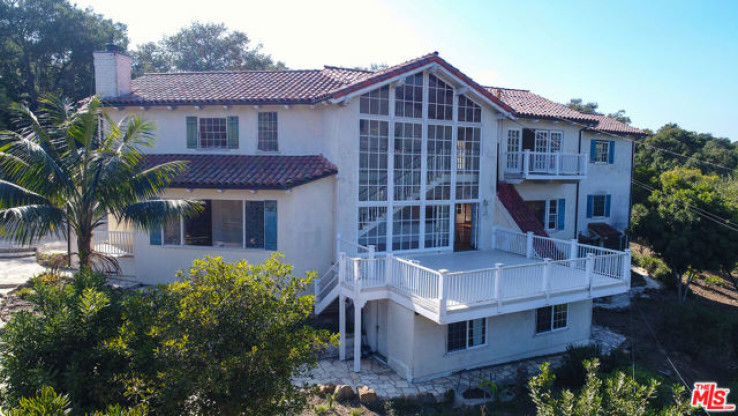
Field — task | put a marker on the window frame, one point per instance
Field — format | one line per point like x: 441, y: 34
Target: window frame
x: 600, y: 151
x: 267, y: 127
x: 244, y: 232
x: 555, y: 315
x: 200, y: 139
x: 595, y: 198
x: 467, y: 347
x: 552, y: 205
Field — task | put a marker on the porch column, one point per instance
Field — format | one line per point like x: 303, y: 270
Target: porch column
x: 342, y: 327
x: 357, y: 336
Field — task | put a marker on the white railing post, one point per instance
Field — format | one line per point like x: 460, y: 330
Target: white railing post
x: 574, y: 253
x: 388, y: 269
x: 498, y: 284
x: 557, y: 163
x: 494, y: 238
x: 547, y: 278
x: 529, y: 245
x: 626, y: 266
x: 341, y: 268
x: 526, y: 162
x: 357, y: 279
x: 589, y: 271
x: 342, y: 327
x: 371, y: 267
x: 442, y: 294
x: 338, y: 244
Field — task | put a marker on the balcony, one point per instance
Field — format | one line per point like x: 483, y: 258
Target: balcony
x: 528, y: 165
x: 521, y: 272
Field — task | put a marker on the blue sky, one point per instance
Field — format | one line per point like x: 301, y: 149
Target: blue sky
x: 661, y: 61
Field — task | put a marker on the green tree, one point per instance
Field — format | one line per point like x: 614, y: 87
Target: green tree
x: 59, y: 170
x: 618, y: 395
x: 620, y: 116
x: 578, y: 104
x: 687, y: 222
x: 202, y: 47
x: 228, y: 338
x: 46, y: 48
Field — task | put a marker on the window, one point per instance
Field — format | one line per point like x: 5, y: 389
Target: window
x: 601, y: 152
x: 552, y: 216
x: 213, y: 133
x: 469, y: 111
x: 373, y: 138
x: 514, y: 155
x: 406, y: 228
x: 375, y: 102
x: 409, y: 97
x: 437, y: 223
x: 373, y: 227
x: 467, y: 334
x: 550, y: 318
x: 467, y: 162
x: 440, y: 99
x: 267, y: 131
x: 221, y: 224
x: 438, y: 170
x: 598, y: 205
x: 408, y: 141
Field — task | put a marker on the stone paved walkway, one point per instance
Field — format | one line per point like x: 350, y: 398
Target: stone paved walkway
x: 389, y: 385
x: 16, y: 271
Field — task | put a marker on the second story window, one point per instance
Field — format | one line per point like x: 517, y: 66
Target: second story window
x: 268, y: 131
x: 602, y: 151
x: 598, y: 205
x: 375, y: 102
x: 212, y: 132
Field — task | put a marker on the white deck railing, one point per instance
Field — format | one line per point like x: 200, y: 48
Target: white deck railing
x: 557, y: 266
x: 113, y: 242
x: 528, y: 163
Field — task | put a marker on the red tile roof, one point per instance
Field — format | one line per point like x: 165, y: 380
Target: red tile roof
x: 246, y: 171
x: 529, y: 105
x: 516, y: 206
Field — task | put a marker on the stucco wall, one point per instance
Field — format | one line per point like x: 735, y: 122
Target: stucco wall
x: 605, y: 178
x: 304, y: 230
x: 509, y: 337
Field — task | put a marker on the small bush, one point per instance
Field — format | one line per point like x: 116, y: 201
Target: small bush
x: 572, y: 373
x: 321, y: 409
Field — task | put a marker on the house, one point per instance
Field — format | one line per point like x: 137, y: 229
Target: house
x: 442, y: 216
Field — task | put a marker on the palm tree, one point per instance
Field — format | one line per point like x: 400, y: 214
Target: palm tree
x: 68, y: 168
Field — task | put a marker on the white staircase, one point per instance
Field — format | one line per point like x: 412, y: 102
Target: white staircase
x: 326, y: 289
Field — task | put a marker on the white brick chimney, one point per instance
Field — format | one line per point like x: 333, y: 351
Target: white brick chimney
x: 112, y: 72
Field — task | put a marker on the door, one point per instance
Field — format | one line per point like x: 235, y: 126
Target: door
x: 513, y: 151
x: 541, y: 155
x: 465, y: 227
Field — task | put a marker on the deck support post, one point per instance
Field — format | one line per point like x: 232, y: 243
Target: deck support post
x: 357, y: 335
x: 589, y: 271
x: 547, y: 278
x: 342, y: 327
x: 529, y: 245
x: 626, y: 266
x: 574, y: 253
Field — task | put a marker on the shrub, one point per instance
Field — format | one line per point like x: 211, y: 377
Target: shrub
x: 61, y: 344
x: 571, y: 373
x: 47, y: 402
x: 227, y: 338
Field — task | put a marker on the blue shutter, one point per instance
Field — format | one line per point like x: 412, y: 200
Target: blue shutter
x: 192, y: 132
x: 232, y: 132
x: 155, y: 237
x: 590, y: 205
x: 593, y: 151
x: 607, y: 205
x: 612, y: 152
x: 270, y: 225
x: 562, y: 214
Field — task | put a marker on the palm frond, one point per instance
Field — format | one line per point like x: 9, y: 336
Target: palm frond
x: 26, y: 224
x: 149, y: 215
x: 12, y: 195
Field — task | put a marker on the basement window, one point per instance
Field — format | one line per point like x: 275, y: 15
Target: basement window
x: 551, y: 318
x: 467, y: 334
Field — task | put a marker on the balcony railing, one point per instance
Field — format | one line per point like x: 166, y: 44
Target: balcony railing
x: 116, y: 243
x: 545, y: 165
x: 557, y: 269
